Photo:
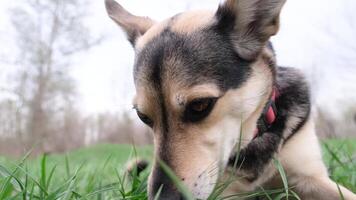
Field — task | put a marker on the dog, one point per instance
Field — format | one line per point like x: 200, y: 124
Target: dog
x: 208, y: 85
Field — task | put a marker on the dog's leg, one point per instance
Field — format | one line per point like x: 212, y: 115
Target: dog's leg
x: 321, y: 188
x: 302, y: 160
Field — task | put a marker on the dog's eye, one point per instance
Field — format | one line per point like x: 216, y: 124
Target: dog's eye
x: 144, y: 118
x: 198, y: 109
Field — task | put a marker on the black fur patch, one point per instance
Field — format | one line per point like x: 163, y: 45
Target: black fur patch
x: 169, y: 191
x: 225, y: 19
x: 132, y: 36
x: 206, y: 56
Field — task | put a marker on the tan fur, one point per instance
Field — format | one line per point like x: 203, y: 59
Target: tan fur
x: 144, y: 101
x: 254, y: 94
x: 182, y: 96
x: 191, y: 21
x: 155, y: 30
x: 302, y: 160
x: 185, y: 23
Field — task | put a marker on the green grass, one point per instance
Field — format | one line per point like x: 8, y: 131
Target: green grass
x: 340, y: 156
x: 98, y: 172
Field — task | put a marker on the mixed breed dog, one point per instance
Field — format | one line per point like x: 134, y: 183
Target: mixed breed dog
x: 208, y: 85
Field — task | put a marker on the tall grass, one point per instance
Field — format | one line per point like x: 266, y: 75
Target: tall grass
x: 99, y: 173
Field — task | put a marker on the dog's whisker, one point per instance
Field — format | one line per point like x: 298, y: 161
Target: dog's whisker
x: 213, y: 169
x: 213, y: 175
x: 206, y: 169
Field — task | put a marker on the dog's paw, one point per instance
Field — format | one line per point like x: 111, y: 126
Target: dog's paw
x: 136, y: 166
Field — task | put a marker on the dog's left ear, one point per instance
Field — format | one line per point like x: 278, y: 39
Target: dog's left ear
x: 249, y: 23
x: 134, y: 26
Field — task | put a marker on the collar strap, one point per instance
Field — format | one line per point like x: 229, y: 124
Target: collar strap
x: 268, y: 116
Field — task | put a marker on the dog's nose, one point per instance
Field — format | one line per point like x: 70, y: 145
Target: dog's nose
x: 159, y: 181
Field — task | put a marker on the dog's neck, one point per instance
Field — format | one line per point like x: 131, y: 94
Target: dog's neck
x: 293, y: 106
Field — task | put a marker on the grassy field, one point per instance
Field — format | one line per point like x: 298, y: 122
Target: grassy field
x: 98, y: 173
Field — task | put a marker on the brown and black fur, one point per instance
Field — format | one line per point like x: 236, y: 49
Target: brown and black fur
x: 223, y: 62
x: 294, y: 102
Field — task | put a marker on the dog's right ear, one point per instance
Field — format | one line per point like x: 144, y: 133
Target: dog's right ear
x: 134, y: 26
x: 249, y: 23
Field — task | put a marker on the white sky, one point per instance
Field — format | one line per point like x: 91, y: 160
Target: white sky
x: 314, y: 33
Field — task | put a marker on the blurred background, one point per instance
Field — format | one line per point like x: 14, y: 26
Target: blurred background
x: 65, y: 69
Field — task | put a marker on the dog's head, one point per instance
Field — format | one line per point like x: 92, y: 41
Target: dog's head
x: 202, y: 79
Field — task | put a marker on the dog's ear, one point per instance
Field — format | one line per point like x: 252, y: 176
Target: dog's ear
x: 249, y: 23
x: 134, y: 26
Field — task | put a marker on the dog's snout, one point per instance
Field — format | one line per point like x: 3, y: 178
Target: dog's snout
x: 159, y: 181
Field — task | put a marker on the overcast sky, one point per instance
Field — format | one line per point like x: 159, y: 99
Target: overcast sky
x: 316, y: 36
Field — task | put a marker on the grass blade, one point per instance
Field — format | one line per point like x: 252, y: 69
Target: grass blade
x: 67, y: 166
x: 340, y: 192
x: 283, y: 176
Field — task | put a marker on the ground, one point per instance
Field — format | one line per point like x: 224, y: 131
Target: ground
x: 98, y: 173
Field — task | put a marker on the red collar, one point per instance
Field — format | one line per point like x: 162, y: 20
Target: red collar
x: 268, y: 116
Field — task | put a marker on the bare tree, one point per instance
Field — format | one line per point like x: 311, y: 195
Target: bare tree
x: 48, y: 34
